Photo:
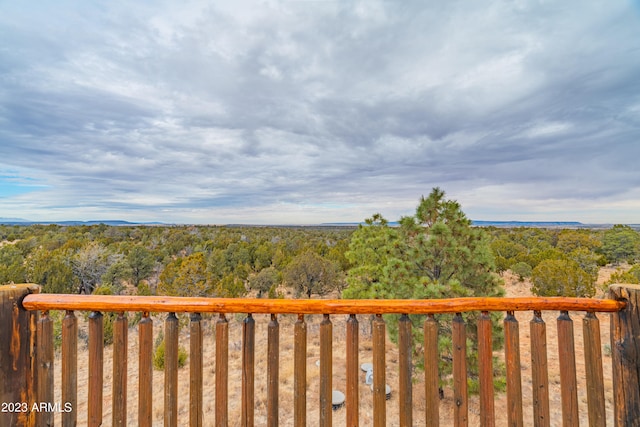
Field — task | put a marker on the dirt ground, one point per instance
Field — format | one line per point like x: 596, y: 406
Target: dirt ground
x: 513, y: 288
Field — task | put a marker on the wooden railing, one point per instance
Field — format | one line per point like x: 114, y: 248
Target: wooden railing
x: 27, y: 358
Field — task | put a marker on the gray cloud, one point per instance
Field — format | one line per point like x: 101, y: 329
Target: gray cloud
x: 320, y: 111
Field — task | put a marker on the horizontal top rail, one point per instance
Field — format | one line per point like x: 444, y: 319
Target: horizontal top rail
x: 118, y: 303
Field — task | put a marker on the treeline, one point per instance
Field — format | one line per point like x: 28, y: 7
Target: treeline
x: 175, y: 260
x: 435, y: 253
x: 235, y: 261
x: 565, y: 262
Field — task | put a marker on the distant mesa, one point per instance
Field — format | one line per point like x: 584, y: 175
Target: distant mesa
x: 20, y: 221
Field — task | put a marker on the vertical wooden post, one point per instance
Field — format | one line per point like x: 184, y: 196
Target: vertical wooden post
x: 171, y: 371
x: 379, y: 373
x: 405, y: 386
x: 460, y: 399
x: 485, y: 366
x: 45, y: 368
x: 119, y: 378
x: 195, y: 370
x: 568, y: 380
x: 431, y: 376
x: 96, y: 364
x: 248, y: 370
x: 70, y: 368
x: 273, y: 373
x: 593, y: 370
x: 539, y: 371
x: 625, y: 349
x: 222, y: 369
x: 300, y: 372
x: 352, y: 398
x: 145, y: 371
x: 514, y: 375
x: 17, y: 353
x: 326, y: 371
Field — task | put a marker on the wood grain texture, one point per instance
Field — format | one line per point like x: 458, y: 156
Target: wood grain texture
x: 45, y: 368
x: 171, y: 371
x: 568, y: 379
x: 460, y: 395
x: 96, y: 365
x: 326, y: 371
x: 431, y: 376
x: 485, y: 368
x: 119, y: 376
x: 283, y: 306
x: 593, y: 370
x: 222, y: 371
x: 248, y: 371
x: 539, y: 371
x: 353, y: 371
x: 625, y: 348
x: 17, y: 353
x: 69, y: 366
x: 300, y: 372
x: 195, y: 371
x: 405, y: 367
x: 379, y: 373
x: 145, y: 371
x: 515, y: 416
x: 273, y: 370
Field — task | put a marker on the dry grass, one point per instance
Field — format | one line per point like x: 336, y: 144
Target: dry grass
x: 514, y: 288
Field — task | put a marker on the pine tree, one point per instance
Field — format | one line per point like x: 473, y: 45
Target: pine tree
x: 433, y: 254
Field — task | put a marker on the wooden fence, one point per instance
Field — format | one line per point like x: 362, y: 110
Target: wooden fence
x: 27, y: 357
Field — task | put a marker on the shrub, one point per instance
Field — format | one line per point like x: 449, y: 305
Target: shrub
x: 522, y: 270
x: 555, y: 277
x: 158, y: 356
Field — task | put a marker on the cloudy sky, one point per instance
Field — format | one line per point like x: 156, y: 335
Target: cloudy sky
x: 319, y: 111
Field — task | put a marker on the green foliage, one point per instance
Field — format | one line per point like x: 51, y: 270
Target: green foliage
x: 230, y: 286
x: 274, y: 293
x: 437, y: 254
x: 80, y: 258
x: 12, y: 268
x: 56, y: 317
x: 562, y: 277
x: 115, y: 275
x: 586, y: 260
x: 506, y: 252
x: 309, y: 274
x: 631, y: 276
x: 621, y: 243
x: 52, y: 270
x: 264, y: 280
x: 368, y: 254
x: 571, y: 240
x: 186, y: 277
x: 433, y: 254
x: 263, y: 256
x: 522, y: 270
x: 158, y: 356
x: 144, y: 290
x: 140, y: 262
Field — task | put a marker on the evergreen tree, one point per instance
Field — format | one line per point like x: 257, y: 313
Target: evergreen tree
x: 52, y: 270
x: 621, y: 243
x: 140, y: 263
x: 562, y: 277
x: 433, y: 254
x: 368, y: 255
x: 309, y: 274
